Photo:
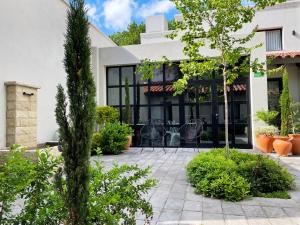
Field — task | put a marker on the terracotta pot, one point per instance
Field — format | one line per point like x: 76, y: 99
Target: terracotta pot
x: 265, y: 143
x: 295, y: 140
x: 127, y: 146
x: 282, y: 145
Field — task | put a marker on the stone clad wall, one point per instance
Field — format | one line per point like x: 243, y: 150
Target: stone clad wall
x: 21, y: 114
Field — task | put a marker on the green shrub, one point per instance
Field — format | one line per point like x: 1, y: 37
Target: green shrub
x: 285, y: 105
x: 242, y: 175
x: 269, y: 117
x: 106, y: 114
x: 265, y: 176
x: 116, y: 196
x: 224, y: 185
x: 112, y: 138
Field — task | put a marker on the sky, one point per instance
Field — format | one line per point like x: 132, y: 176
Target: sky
x: 111, y: 16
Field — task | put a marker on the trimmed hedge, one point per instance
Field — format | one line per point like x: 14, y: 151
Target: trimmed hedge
x: 240, y: 176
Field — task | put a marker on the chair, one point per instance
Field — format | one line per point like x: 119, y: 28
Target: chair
x: 190, y: 132
x: 153, y: 135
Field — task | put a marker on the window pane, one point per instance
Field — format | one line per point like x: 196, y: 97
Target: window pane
x: 127, y: 72
x: 129, y: 119
x: 142, y: 94
x: 157, y: 114
x: 172, y: 72
x: 142, y: 115
x: 113, y: 76
x: 113, y: 96
x: 158, y: 75
x: 130, y: 95
x: 273, y: 40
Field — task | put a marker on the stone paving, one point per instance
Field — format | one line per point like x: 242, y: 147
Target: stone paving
x: 174, y: 201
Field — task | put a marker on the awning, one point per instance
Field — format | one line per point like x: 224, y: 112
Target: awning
x: 283, y: 54
x: 169, y: 89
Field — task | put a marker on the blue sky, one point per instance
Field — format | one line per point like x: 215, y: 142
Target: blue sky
x: 114, y: 15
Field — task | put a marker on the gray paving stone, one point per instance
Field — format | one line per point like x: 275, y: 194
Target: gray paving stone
x: 173, y: 203
x: 212, y: 206
x: 235, y: 220
x: 253, y: 211
x: 274, y: 211
x: 191, y: 217
x: 192, y: 206
x: 258, y: 221
x: 212, y: 219
x: 170, y: 216
x: 230, y: 208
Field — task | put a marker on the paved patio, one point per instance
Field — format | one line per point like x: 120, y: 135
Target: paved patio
x: 174, y: 201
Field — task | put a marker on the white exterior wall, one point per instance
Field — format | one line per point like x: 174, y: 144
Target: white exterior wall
x: 31, y: 52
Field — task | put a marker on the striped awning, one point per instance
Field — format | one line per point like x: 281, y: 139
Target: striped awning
x: 283, y: 54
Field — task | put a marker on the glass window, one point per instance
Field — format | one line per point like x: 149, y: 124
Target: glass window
x: 274, y: 40
x: 113, y: 76
x: 158, y: 75
x: 157, y: 114
x: 142, y: 115
x: 172, y: 72
x: 142, y: 94
x: 130, y: 95
x: 127, y: 72
x: 113, y: 96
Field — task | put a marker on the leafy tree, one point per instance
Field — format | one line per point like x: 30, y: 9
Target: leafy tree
x: 76, y: 128
x: 285, y: 105
x: 212, y: 23
x: 131, y: 36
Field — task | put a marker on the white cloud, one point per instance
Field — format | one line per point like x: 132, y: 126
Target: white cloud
x: 155, y: 7
x: 118, y: 13
x: 92, y: 12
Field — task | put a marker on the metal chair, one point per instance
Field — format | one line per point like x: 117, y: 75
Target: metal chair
x: 190, y: 132
x: 153, y: 135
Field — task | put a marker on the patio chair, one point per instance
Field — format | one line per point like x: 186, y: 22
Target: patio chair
x: 152, y: 135
x: 190, y: 132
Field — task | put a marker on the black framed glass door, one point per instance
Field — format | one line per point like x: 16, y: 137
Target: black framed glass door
x: 193, y: 119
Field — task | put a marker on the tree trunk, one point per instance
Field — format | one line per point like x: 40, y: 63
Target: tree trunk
x: 226, y: 113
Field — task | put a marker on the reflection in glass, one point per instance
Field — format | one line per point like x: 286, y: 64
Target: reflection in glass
x: 113, y: 96
x: 127, y: 72
x: 130, y: 95
x: 113, y: 76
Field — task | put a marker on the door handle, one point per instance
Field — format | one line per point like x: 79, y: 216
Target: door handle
x: 217, y: 115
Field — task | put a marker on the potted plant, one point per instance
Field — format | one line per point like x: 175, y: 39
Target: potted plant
x: 265, y: 134
x: 265, y: 137
x: 295, y: 124
x: 282, y: 143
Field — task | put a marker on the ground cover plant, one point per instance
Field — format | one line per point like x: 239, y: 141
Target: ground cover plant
x: 115, y: 196
x: 240, y: 176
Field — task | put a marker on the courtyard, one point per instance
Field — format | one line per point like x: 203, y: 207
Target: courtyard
x: 174, y: 201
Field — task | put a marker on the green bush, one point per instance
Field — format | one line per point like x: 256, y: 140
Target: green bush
x: 106, y: 114
x: 112, y: 138
x: 240, y: 176
x: 116, y: 196
x: 269, y: 117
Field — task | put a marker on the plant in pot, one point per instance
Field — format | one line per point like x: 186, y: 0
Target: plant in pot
x: 127, y: 112
x: 295, y: 125
x: 282, y: 144
x: 265, y: 137
x: 265, y: 134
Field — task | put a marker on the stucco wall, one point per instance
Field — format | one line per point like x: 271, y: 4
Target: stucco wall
x: 31, y: 52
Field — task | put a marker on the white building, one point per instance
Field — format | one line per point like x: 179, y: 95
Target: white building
x: 32, y: 53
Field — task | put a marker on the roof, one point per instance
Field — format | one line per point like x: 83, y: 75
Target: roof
x: 284, y: 54
x: 157, y: 89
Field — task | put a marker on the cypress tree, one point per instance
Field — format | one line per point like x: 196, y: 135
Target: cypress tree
x: 285, y: 105
x: 127, y: 113
x: 76, y: 127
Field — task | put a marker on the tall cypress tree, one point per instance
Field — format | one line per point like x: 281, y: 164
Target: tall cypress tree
x: 285, y: 105
x: 77, y: 126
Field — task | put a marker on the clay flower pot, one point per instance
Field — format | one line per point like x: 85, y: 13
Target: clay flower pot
x: 265, y: 143
x: 295, y: 140
x: 282, y: 145
x: 127, y: 146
